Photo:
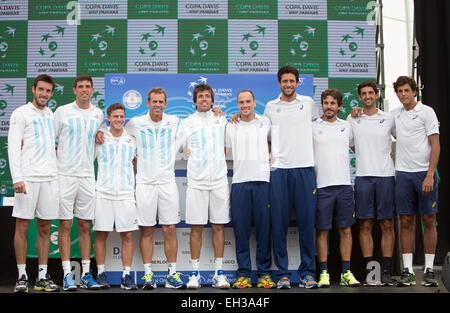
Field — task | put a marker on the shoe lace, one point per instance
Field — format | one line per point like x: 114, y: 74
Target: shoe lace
x: 147, y: 277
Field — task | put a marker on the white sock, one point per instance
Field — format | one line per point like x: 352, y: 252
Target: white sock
x: 22, y: 270
x: 85, y: 266
x: 172, y: 268
x: 218, y: 264
x: 429, y: 260
x: 147, y: 268
x: 126, y: 271
x: 42, y: 271
x: 195, y: 264
x: 100, y: 268
x: 407, y: 261
x: 67, y: 268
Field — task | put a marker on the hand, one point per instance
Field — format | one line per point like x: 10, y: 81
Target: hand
x: 427, y: 185
x: 271, y: 160
x: 100, y: 138
x: 356, y: 112
x: 236, y: 118
x: 217, y: 112
x: 20, y: 187
x: 187, y: 153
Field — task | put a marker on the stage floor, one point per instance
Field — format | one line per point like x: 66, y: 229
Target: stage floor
x: 335, y: 288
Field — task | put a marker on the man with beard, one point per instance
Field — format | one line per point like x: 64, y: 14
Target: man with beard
x: 32, y: 157
x: 332, y: 139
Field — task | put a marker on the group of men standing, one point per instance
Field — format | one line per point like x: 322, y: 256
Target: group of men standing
x: 291, y: 157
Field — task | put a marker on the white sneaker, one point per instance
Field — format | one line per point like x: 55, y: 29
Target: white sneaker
x: 220, y: 281
x: 194, y: 280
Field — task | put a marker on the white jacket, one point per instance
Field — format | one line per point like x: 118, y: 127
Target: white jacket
x: 31, y: 144
x: 204, y: 137
x: 115, y: 179
x: 75, y: 134
x: 157, y: 145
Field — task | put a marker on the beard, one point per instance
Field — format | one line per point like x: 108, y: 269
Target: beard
x: 36, y: 100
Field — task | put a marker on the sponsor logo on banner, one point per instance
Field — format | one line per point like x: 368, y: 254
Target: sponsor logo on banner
x: 251, y: 46
x: 348, y: 9
x: 48, y: 10
x: 351, y: 49
x: 152, y: 9
x: 13, y: 52
x: 202, y: 46
x: 249, y: 9
x: 103, y: 9
x: 13, y: 10
x: 302, y: 9
x: 302, y: 45
x: 202, y: 9
x: 51, y: 48
x: 150, y: 46
x: 100, y: 47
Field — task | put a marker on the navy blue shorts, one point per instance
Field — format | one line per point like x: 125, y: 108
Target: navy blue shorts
x: 409, y: 199
x: 374, y: 197
x: 335, y: 203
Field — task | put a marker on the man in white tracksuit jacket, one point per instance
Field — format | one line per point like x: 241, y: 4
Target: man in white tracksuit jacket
x: 32, y: 162
x: 207, y: 195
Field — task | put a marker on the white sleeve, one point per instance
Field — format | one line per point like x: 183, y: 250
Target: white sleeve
x: 431, y: 123
x: 15, y: 136
x: 315, y: 112
x: 58, y: 124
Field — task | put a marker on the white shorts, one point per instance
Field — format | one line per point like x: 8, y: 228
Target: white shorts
x: 121, y: 214
x: 157, y: 202
x: 201, y: 204
x: 41, y: 201
x: 76, y: 197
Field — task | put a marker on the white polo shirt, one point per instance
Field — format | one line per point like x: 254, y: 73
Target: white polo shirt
x: 412, y: 129
x: 373, y: 144
x: 75, y: 134
x: 248, y: 142
x: 31, y: 144
x: 204, y: 137
x: 332, y: 142
x: 291, y: 136
x: 156, y: 148
x: 115, y: 179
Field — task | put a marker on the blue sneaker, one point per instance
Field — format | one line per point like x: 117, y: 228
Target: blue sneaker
x: 127, y: 283
x: 88, y: 282
x: 149, y: 281
x: 69, y: 282
x: 102, y: 280
x: 308, y: 282
x: 174, y: 281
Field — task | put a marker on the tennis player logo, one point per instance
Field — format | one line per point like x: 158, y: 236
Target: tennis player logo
x: 301, y: 42
x: 351, y: 42
x: 99, y: 42
x: 6, y: 37
x: 8, y: 88
x: 251, y: 41
x: 201, y: 41
x: 50, y: 42
x: 149, y: 40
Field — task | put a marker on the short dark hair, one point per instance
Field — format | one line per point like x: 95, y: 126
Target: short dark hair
x: 113, y: 107
x: 287, y: 70
x: 83, y: 77
x: 403, y: 80
x: 202, y: 87
x: 246, y: 90
x: 368, y: 83
x: 336, y: 94
x: 159, y: 90
x: 44, y: 78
